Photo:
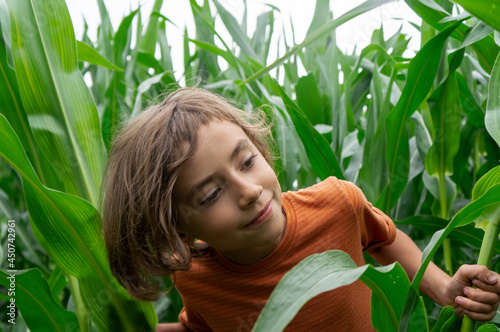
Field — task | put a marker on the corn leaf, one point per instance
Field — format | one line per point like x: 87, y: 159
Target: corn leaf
x: 57, y: 282
x: 488, y: 328
x: 448, y: 320
x: 477, y: 33
x: 13, y: 109
x: 309, y: 99
x: 446, y: 119
x: 34, y: 300
x: 433, y: 14
x: 487, y: 11
x: 207, y: 62
x: 72, y: 225
x: 115, y: 110
x: 431, y: 224
x: 90, y: 55
x: 474, y: 112
x: 60, y: 109
x: 320, y: 33
x: 492, y: 117
x: 239, y: 36
x: 421, y: 74
x: 465, y: 216
x: 148, y: 41
x: 317, y: 148
x: 319, y: 273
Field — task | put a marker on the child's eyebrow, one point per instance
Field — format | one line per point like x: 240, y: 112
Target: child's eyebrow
x: 242, y: 144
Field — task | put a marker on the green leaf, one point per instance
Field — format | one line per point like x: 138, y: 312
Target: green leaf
x: 486, y: 182
x: 469, y: 104
x: 486, y: 10
x: 317, y: 148
x: 432, y: 184
x: 226, y: 55
x: 164, y: 46
x: 72, y: 225
x: 57, y: 282
x: 88, y: 54
x: 235, y: 31
x: 492, y: 118
x: 421, y: 74
x: 433, y: 14
x: 492, y: 213
x: 5, y: 35
x: 143, y: 88
x: 115, y: 108
x: 205, y: 32
x: 448, y: 320
x: 12, y: 108
x: 61, y: 111
x: 431, y: 224
x: 319, y: 273
x: 148, y: 41
x: 488, y: 328
x: 322, y: 15
x: 309, y: 99
x: 259, y: 44
x: 465, y: 216
x: 33, y: 298
x: 320, y: 33
x: 446, y: 118
x: 478, y: 32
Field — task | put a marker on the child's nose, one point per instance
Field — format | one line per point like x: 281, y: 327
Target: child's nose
x: 248, y: 192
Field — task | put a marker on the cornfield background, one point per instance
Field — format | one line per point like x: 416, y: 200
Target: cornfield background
x: 414, y: 133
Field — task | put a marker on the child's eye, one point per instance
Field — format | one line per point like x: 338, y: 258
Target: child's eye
x: 210, y: 198
x: 249, y: 162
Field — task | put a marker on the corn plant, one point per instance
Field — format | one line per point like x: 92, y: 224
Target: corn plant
x: 415, y: 133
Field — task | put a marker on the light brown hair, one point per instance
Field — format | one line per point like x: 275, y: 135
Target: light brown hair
x: 139, y: 217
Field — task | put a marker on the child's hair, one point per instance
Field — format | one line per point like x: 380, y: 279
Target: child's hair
x: 140, y: 221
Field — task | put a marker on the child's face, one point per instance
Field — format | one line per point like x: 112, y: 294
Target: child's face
x: 228, y: 196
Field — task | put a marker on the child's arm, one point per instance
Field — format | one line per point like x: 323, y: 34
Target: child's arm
x: 480, y: 304
x: 172, y: 327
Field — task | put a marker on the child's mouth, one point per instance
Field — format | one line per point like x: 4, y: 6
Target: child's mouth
x: 262, y: 216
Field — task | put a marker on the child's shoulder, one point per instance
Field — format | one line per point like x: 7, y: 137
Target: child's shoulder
x: 326, y: 190
x: 328, y: 186
x: 331, y: 193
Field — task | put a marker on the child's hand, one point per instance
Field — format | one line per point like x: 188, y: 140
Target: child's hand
x: 479, y: 303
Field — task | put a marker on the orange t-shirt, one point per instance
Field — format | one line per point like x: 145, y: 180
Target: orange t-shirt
x: 220, y: 295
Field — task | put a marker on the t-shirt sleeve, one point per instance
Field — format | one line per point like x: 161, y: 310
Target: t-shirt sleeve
x: 376, y: 228
x: 191, y: 319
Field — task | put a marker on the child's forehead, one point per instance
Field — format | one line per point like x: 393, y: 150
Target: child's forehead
x: 218, y: 139
x: 211, y: 137
x: 220, y: 131
x: 219, y: 143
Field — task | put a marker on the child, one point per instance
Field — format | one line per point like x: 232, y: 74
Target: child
x: 190, y: 193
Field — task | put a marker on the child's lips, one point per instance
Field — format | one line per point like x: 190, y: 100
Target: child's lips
x: 262, y: 215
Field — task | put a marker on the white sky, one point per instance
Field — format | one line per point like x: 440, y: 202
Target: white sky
x: 299, y: 12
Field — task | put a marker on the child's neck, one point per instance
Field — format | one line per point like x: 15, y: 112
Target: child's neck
x: 254, y: 255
